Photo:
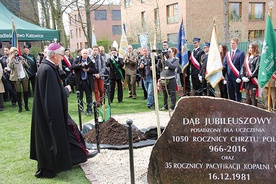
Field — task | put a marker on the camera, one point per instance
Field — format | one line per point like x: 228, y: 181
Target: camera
x: 165, y: 53
x: 41, y: 54
x: 143, y: 61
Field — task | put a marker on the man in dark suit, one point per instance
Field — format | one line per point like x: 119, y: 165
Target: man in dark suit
x: 33, y: 68
x: 195, y: 61
x: 84, y: 70
x: 232, y: 64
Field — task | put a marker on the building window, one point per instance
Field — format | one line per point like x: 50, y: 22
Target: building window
x: 100, y: 15
x: 235, y: 12
x: 254, y: 35
x: 116, y: 14
x: 172, y: 38
x: 172, y: 13
x: 156, y: 16
x: 80, y: 45
x: 71, y: 33
x: 86, y: 44
x: 143, y: 20
x: 127, y: 3
x: 116, y: 29
x: 77, y: 33
x: 70, y: 20
x: 256, y: 11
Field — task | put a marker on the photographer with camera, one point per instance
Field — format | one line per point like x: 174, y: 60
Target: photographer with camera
x: 168, y: 77
x: 130, y: 60
x: 116, y: 74
x: 19, y: 76
x: 32, y: 69
x: 145, y: 69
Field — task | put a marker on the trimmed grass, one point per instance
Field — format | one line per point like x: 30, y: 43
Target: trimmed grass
x: 15, y: 164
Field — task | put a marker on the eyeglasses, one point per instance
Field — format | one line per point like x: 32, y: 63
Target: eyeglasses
x: 60, y: 54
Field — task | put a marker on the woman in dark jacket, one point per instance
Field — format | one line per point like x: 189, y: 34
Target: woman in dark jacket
x: 249, y: 73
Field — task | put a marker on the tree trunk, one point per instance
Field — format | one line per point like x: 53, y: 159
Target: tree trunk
x: 226, y: 20
x: 88, y: 22
x: 45, y: 10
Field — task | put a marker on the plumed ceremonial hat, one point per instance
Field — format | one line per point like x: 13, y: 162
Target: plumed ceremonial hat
x: 206, y: 44
x: 196, y: 40
x: 26, y: 46
x: 12, y: 49
x: 54, y: 46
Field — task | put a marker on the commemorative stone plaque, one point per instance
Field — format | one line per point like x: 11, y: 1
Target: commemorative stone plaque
x: 210, y: 140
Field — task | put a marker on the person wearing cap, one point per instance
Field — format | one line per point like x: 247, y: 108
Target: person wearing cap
x: 202, y: 72
x: 55, y: 142
x: 115, y: 63
x: 195, y: 61
x: 19, y: 76
x: 84, y: 70
x: 232, y: 65
x: 32, y: 69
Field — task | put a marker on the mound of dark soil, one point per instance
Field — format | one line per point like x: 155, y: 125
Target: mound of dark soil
x: 113, y: 133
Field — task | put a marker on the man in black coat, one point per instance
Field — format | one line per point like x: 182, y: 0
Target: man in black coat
x: 32, y: 70
x: 49, y: 130
x: 116, y: 74
x: 84, y: 70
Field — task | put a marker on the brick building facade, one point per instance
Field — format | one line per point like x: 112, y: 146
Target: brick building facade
x: 107, y: 25
x: 246, y: 19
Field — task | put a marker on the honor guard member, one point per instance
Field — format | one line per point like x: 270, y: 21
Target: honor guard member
x: 195, y: 66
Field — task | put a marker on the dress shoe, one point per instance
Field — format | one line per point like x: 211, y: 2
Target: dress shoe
x: 130, y: 96
x: 92, y: 154
x: 27, y: 108
x: 163, y: 109
x: 43, y: 173
x: 134, y: 97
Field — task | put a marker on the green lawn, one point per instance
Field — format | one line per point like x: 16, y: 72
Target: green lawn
x: 15, y: 165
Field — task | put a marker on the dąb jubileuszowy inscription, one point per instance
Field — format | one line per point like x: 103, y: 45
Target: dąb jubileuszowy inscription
x: 212, y: 140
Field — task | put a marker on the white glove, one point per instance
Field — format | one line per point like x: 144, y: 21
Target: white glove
x: 238, y: 80
x: 200, y: 78
x: 67, y: 69
x: 245, y: 79
x: 224, y: 81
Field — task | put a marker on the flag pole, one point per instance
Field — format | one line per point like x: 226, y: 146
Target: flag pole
x: 269, y: 87
x: 153, y: 48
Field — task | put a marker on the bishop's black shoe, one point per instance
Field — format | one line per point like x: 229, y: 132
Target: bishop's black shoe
x: 43, y: 173
x: 92, y: 154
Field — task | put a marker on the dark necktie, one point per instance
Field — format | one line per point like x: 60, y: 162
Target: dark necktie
x: 232, y: 56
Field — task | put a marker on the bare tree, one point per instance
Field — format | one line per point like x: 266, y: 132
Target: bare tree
x: 226, y: 20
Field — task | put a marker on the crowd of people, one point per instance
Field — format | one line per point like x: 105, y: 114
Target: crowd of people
x: 92, y: 68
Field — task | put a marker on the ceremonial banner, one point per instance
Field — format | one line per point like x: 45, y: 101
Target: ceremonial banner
x: 123, y: 44
x: 182, y: 49
x: 14, y: 39
x: 214, y: 64
x: 143, y: 38
x: 94, y: 39
x: 267, y: 63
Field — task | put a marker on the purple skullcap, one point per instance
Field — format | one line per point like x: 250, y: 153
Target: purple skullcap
x: 54, y: 46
